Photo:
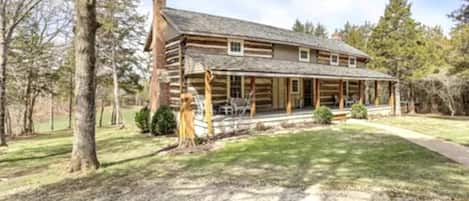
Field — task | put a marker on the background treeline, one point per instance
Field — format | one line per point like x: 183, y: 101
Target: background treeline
x: 40, y: 62
x: 433, y: 68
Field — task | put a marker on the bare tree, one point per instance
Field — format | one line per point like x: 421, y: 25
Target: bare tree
x: 84, y: 146
x: 447, y: 87
x: 12, y: 13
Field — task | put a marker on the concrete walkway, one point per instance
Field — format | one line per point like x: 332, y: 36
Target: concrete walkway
x: 453, y: 151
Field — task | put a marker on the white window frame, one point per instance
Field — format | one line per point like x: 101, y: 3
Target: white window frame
x: 306, y: 50
x: 291, y: 86
x: 241, y: 53
x: 338, y: 60
x: 352, y: 65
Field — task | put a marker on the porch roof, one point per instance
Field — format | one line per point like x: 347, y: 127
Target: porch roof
x: 196, y: 63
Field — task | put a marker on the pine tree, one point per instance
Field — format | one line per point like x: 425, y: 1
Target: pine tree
x: 320, y: 31
x: 462, y: 14
x: 357, y: 35
x: 298, y: 26
x: 394, y: 43
x: 308, y: 27
x: 459, y: 40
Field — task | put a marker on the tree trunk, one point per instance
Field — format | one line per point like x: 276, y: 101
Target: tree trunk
x: 84, y: 146
x: 398, y: 98
x: 52, y: 112
x: 113, y: 114
x: 25, y: 114
x: 70, y: 101
x: 3, y: 63
x: 117, y: 120
x: 101, y: 113
x: 411, y: 98
x: 8, y: 123
x: 30, y: 120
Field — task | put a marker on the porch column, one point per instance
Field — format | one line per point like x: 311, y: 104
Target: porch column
x: 376, y: 93
x: 341, y: 95
x: 360, y: 91
x: 391, y: 94
x: 208, y: 102
x: 288, y: 97
x: 252, y: 96
x: 317, y: 94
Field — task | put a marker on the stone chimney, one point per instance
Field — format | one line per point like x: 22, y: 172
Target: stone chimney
x: 159, y: 91
x: 337, y: 36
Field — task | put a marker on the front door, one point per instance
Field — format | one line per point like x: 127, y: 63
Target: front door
x: 307, y: 92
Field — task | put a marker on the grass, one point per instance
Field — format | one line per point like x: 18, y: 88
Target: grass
x: 443, y: 127
x: 61, y: 121
x: 343, y: 157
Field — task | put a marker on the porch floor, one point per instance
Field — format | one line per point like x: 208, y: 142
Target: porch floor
x: 296, y: 113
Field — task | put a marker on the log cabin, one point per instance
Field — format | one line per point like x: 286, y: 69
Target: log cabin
x: 283, y: 74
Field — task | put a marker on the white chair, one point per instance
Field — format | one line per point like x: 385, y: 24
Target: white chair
x: 240, y: 106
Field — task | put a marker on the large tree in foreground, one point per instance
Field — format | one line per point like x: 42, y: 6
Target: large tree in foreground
x: 84, y: 145
x: 12, y: 13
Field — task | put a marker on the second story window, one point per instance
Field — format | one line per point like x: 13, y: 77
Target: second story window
x: 334, y: 59
x: 235, y: 47
x: 352, y: 62
x: 304, y: 54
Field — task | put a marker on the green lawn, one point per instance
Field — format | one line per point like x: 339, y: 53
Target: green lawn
x: 61, y: 122
x: 444, y: 127
x: 343, y: 157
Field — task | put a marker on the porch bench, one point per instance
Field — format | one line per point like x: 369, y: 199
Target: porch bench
x: 342, y: 116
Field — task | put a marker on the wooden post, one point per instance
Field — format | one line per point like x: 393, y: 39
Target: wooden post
x: 391, y: 96
x: 318, y: 94
x: 360, y: 91
x: 341, y: 95
x: 376, y: 93
x: 208, y: 102
x: 289, y: 109
x: 252, y: 96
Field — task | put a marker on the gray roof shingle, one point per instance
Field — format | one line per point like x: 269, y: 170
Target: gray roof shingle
x: 188, y: 22
x: 196, y: 62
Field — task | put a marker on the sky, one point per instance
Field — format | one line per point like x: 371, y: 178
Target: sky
x: 332, y: 13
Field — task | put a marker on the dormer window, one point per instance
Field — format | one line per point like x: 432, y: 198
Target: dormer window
x: 235, y: 47
x: 304, y: 54
x: 335, y: 59
x: 352, y: 62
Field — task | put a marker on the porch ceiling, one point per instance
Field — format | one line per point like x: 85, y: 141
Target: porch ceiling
x: 196, y: 63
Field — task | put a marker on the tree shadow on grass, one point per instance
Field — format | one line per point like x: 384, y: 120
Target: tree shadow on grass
x: 255, y: 168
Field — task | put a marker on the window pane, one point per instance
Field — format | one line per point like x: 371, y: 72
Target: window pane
x: 235, y: 86
x: 352, y: 61
x: 294, y: 86
x: 334, y: 58
x: 235, y: 47
x: 304, y: 54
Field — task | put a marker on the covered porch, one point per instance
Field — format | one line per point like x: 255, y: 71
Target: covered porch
x: 278, y: 91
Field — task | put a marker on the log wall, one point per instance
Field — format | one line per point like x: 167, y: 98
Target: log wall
x: 215, y: 45
x: 175, y: 71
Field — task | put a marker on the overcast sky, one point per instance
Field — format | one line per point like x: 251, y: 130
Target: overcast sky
x: 332, y: 13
